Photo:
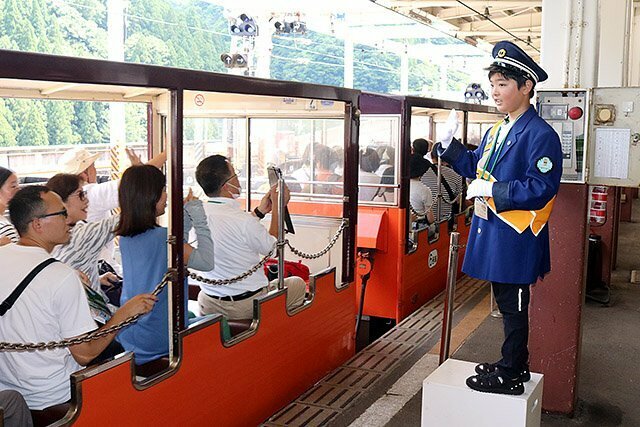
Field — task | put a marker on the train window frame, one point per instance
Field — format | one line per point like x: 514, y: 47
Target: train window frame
x: 396, y: 136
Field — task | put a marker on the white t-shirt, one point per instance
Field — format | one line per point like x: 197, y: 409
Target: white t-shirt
x: 420, y: 197
x: 103, y: 198
x: 240, y: 242
x: 53, y: 306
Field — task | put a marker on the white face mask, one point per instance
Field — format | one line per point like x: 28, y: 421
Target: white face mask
x: 234, y: 195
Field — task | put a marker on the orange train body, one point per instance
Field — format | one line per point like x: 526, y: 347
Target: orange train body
x: 400, y: 283
x: 239, y: 385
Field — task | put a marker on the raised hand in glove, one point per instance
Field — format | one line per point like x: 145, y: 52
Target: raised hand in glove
x: 450, y: 128
x: 480, y: 188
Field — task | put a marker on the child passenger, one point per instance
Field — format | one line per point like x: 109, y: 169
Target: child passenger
x: 143, y: 246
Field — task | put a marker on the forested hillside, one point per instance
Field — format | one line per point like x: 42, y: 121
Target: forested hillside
x: 186, y: 34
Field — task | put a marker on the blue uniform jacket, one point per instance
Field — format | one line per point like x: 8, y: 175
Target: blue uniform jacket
x: 527, y: 176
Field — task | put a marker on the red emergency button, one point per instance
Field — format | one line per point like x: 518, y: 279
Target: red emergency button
x: 575, y: 113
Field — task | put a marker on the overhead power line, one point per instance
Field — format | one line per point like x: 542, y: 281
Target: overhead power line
x: 488, y: 18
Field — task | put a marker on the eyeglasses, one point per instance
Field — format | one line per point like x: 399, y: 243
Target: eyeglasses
x: 235, y: 175
x: 82, y: 195
x: 63, y: 212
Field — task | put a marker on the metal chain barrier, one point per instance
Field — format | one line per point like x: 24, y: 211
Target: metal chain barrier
x: 91, y: 336
x: 413, y: 211
x: 223, y: 282
x: 332, y: 242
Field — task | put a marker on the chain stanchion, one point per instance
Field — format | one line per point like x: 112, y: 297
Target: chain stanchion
x: 281, y: 240
x: 223, y: 282
x: 332, y: 242
x: 91, y: 336
x: 449, y: 296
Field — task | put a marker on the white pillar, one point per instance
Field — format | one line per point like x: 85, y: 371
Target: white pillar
x: 263, y: 47
x: 634, y: 48
x: 615, y: 23
x: 585, y: 43
x: 115, y: 46
x: 348, y: 60
x: 404, y: 72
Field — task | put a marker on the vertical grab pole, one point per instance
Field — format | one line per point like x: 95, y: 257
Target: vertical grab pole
x: 280, y: 231
x: 439, y: 197
x: 445, y: 341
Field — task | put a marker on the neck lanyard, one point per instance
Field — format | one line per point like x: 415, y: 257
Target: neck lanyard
x: 493, y: 147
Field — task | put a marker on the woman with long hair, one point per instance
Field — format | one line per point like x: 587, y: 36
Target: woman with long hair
x: 143, y: 246
x: 8, y: 188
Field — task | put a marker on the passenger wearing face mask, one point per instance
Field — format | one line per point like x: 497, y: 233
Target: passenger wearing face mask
x: 240, y: 241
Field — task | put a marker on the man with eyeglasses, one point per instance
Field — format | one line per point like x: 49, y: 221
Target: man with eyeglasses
x: 44, y: 302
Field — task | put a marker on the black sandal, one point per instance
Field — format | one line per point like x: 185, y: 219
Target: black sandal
x: 495, y: 383
x: 489, y: 368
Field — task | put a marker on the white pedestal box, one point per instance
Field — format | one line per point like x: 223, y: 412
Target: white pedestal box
x: 448, y: 402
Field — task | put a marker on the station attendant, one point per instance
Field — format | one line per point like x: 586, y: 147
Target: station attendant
x: 516, y: 175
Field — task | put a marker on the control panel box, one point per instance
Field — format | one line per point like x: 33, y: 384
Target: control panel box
x: 614, y: 135
x: 567, y: 111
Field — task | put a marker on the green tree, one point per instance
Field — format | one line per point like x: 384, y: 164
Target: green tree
x: 146, y: 49
x: 85, y: 123
x: 34, y: 128
x: 7, y: 132
x: 60, y: 116
x: 136, y: 122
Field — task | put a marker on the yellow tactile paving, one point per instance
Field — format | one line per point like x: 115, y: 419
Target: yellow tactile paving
x: 467, y: 325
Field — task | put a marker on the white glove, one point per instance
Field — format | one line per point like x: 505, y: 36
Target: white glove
x: 450, y: 128
x: 478, y: 188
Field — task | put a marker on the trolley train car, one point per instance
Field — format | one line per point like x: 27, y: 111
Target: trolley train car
x: 207, y: 377
x: 409, y: 261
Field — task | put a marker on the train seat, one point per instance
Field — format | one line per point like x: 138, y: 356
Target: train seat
x: 50, y: 415
x: 151, y: 368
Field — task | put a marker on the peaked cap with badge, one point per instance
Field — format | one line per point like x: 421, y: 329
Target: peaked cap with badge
x: 509, y: 56
x: 523, y: 160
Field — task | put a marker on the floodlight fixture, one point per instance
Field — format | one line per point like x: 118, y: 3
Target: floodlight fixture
x: 474, y: 93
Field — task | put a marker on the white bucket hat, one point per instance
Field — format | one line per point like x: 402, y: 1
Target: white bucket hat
x: 77, y: 160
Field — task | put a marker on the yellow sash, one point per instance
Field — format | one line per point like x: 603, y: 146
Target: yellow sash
x: 517, y: 219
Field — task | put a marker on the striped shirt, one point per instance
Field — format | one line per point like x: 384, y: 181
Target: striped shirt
x: 83, y: 250
x: 8, y: 230
x: 430, y: 179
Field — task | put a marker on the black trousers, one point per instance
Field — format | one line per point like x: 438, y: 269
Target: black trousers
x: 513, y: 303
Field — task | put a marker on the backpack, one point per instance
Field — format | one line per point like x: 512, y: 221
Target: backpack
x: 291, y: 268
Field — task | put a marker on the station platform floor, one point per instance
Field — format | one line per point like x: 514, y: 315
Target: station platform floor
x: 609, y: 370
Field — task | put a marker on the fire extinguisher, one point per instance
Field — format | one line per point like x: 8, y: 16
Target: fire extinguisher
x: 598, y: 205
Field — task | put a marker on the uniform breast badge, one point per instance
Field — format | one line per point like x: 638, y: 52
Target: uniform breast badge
x: 544, y: 164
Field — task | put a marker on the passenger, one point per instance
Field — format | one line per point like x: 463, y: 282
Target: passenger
x: 16, y: 412
x: 143, y: 245
x: 87, y: 241
x: 79, y: 161
x: 420, y: 146
x: 323, y: 162
x: 369, y: 163
x: 8, y: 188
x: 515, y: 185
x: 387, y: 155
x: 240, y: 241
x: 52, y: 307
x: 419, y: 194
x: 451, y: 189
